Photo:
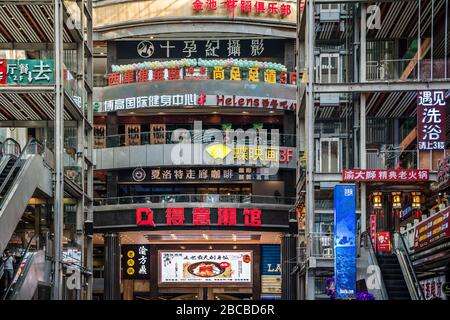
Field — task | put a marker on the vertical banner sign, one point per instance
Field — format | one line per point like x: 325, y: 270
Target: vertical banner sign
x: 2, y: 71
x: 345, y: 241
x: 373, y: 230
x: 431, y: 120
x: 135, y: 262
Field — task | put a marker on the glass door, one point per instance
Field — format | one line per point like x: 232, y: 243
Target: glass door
x: 328, y: 155
x: 329, y: 68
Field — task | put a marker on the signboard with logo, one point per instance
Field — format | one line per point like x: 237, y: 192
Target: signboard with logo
x: 431, y: 115
x: 434, y: 288
x: 433, y: 230
x: 247, y: 7
x: 200, y: 100
x: 157, y: 133
x: 384, y: 242
x: 345, y: 241
x: 205, y: 267
x: 189, y: 49
x: 135, y: 261
x: 270, y: 269
x: 26, y: 72
x: 178, y: 217
x: 385, y: 175
x: 132, y: 134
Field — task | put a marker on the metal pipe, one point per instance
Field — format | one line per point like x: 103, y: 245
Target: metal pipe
x: 445, y: 40
x: 59, y: 142
x: 362, y: 111
x: 309, y: 116
x: 432, y: 38
x: 418, y: 44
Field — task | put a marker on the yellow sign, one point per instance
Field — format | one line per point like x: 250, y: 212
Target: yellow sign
x: 253, y: 75
x: 218, y: 73
x: 130, y: 262
x: 218, y: 151
x: 270, y: 76
x: 130, y: 254
x: 130, y: 271
x: 235, y: 73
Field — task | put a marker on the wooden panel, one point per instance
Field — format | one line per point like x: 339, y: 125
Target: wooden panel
x: 128, y: 289
x: 99, y: 136
x: 141, y: 285
x: 157, y: 134
x: 132, y: 134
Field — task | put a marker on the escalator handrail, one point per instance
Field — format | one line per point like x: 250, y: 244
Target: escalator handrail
x: 24, y: 254
x: 16, y: 163
x: 366, y: 236
x: 14, y: 142
x: 410, y: 266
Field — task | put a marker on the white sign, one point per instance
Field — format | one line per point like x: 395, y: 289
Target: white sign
x: 205, y: 266
x: 201, y: 100
x: 433, y: 288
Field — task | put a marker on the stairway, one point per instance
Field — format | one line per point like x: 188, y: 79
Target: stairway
x: 393, y: 277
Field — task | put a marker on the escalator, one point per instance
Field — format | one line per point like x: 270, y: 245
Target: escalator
x: 396, y: 279
x: 20, y: 177
x: 31, y: 272
x: 393, y: 277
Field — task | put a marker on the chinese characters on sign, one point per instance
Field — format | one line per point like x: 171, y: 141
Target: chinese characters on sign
x: 206, y: 266
x: 385, y: 175
x: 26, y: 72
x: 202, y: 217
x: 193, y: 49
x: 135, y: 261
x: 244, y: 6
x: 433, y: 288
x: 201, y: 73
x: 433, y: 230
x: 203, y: 100
x: 431, y: 117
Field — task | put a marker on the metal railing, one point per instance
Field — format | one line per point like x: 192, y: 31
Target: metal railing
x: 412, y: 282
x: 393, y: 69
x: 165, y: 137
x: 32, y: 147
x: 192, y: 198
x: 392, y: 159
x: 321, y: 244
x: 367, y: 244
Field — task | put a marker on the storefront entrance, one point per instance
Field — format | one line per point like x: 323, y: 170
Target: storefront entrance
x: 206, y: 294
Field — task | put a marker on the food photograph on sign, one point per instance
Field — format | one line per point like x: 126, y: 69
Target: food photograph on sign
x: 206, y: 266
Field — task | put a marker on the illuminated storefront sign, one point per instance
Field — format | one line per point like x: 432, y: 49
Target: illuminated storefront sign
x: 193, y: 48
x: 433, y: 230
x: 270, y: 269
x: 198, y: 174
x: 248, y: 7
x: 201, y: 100
x: 26, y: 72
x: 205, y: 266
x: 385, y: 175
x: 135, y: 261
x: 431, y: 115
x: 345, y: 240
x: 217, y: 73
x: 252, y: 217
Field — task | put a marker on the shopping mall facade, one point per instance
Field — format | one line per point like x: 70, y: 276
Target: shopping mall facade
x: 198, y: 149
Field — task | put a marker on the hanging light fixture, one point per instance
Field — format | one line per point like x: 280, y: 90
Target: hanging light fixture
x: 416, y: 200
x: 377, y: 200
x: 396, y: 200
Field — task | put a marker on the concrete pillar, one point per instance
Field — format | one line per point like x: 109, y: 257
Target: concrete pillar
x: 112, y: 266
x: 289, y: 261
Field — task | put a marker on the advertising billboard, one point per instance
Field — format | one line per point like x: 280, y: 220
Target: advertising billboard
x: 345, y: 240
x: 205, y: 266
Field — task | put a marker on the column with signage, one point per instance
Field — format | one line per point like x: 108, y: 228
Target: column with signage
x: 112, y: 266
x: 345, y: 241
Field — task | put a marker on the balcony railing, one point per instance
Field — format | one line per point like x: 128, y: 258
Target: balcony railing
x: 321, y: 245
x: 396, y: 70
x: 165, y: 137
x: 193, y: 198
x: 391, y: 159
